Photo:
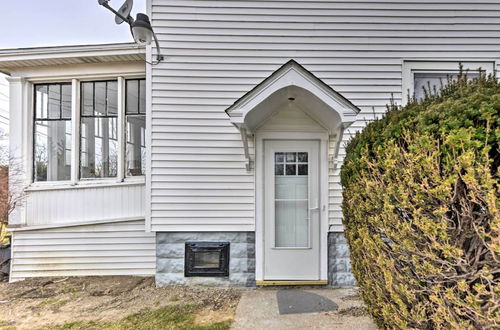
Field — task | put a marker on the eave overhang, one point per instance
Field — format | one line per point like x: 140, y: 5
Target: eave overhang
x: 12, y: 60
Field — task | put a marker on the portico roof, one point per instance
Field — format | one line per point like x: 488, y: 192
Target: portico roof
x: 292, y: 82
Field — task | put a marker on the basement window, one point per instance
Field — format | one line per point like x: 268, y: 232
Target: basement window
x: 206, y: 259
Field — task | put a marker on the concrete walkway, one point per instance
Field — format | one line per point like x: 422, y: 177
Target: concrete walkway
x: 258, y: 309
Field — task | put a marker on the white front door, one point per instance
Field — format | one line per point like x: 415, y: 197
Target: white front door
x: 291, y: 210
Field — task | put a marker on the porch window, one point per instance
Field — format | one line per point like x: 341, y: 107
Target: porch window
x: 135, y: 112
x: 89, y: 130
x: 99, y: 133
x: 52, y: 132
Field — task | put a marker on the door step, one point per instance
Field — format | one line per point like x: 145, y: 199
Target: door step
x: 272, y: 283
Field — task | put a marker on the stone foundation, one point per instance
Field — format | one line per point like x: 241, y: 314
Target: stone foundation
x: 339, y: 263
x: 170, y: 248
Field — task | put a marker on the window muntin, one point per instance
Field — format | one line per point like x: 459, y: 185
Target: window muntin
x: 135, y: 113
x: 99, y: 129
x: 290, y: 163
x: 433, y: 81
x: 52, y: 132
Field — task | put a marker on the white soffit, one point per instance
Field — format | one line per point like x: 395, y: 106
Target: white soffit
x: 292, y: 83
x: 14, y: 59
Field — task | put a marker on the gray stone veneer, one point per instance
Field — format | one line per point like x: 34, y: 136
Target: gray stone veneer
x: 170, y: 258
x: 339, y: 263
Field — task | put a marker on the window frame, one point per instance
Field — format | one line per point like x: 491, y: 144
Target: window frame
x: 409, y: 67
x: 76, y: 112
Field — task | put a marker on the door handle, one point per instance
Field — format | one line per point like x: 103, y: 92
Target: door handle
x: 316, y: 207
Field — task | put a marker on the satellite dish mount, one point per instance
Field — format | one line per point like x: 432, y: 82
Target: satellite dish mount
x: 140, y: 27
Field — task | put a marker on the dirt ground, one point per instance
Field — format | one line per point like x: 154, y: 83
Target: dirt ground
x: 54, y: 301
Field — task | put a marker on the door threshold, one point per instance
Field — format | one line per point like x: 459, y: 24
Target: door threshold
x: 298, y: 282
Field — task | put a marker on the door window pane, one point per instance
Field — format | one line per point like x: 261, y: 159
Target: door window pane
x: 52, y: 132
x: 290, y: 169
x: 279, y: 169
x: 302, y: 169
x: 290, y: 156
x: 291, y: 200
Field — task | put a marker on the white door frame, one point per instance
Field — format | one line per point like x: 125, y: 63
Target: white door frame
x: 259, y: 195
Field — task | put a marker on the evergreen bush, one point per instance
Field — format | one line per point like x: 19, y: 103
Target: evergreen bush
x: 421, y: 209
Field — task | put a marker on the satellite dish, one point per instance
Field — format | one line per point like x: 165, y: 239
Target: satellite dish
x: 124, y: 10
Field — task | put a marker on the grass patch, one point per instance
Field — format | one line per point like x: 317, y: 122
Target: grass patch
x: 169, y: 317
x: 4, y: 325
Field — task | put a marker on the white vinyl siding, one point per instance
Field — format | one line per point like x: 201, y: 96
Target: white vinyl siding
x: 115, y: 248
x: 219, y: 50
x: 79, y: 204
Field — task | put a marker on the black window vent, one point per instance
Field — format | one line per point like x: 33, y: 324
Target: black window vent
x: 206, y: 259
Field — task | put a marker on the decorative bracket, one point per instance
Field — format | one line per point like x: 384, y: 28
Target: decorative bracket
x: 340, y: 135
x: 244, y: 138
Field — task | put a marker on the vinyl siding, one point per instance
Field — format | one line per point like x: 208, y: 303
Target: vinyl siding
x: 216, y: 51
x: 115, y: 248
x: 79, y: 204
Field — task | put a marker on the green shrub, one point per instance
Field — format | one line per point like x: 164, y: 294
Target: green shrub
x: 421, y: 210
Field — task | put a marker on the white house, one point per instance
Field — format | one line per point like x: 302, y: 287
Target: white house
x: 219, y: 165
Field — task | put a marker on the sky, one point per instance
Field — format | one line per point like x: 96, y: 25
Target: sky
x: 61, y: 22
x: 34, y: 23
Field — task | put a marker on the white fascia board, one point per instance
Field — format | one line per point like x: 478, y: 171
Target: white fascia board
x: 20, y: 54
x: 13, y: 60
